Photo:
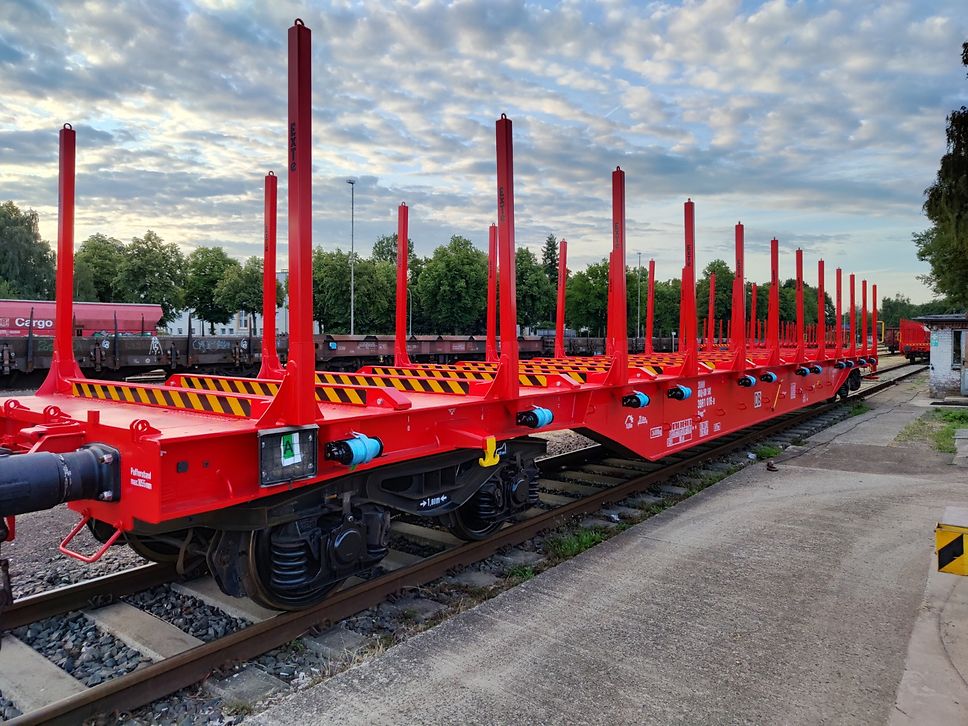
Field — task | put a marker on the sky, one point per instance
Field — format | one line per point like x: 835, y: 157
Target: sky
x: 818, y: 122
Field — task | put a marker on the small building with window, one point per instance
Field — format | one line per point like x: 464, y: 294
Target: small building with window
x: 949, y: 354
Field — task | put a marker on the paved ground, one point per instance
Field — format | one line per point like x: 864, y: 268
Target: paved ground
x: 786, y: 597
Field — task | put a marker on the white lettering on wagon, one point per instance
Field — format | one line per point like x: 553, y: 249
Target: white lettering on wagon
x: 140, y: 478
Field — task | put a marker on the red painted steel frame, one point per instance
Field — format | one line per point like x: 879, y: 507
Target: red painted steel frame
x: 400, y: 356
x: 650, y: 309
x: 176, y: 463
x: 64, y: 365
x: 271, y: 367
x: 491, y: 342
x: 560, y: 310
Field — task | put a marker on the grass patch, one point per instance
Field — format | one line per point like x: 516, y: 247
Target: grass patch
x: 767, y: 451
x: 936, y: 429
x: 521, y: 573
x: 568, y: 544
x: 859, y: 408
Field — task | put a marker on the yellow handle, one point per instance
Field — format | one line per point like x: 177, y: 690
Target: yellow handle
x: 490, y: 453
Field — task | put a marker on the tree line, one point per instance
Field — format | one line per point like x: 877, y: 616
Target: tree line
x: 448, y: 289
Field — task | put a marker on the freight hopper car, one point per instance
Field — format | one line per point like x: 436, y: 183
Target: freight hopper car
x: 285, y: 483
x: 914, y: 341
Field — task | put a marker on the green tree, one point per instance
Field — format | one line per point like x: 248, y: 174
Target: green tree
x: 723, y: 302
x: 375, y: 296
x: 241, y: 288
x: 385, y: 249
x: 586, y: 301
x: 452, y: 288
x: 205, y: 268
x: 549, y: 260
x: 331, y: 290
x: 945, y: 244
x: 535, y: 293
x: 84, y: 289
x: 153, y: 271
x: 26, y: 261
x: 102, y: 256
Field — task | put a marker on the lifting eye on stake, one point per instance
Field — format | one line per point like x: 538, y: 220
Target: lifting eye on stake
x: 769, y: 377
x: 352, y: 452
x: 536, y: 418
x: 747, y: 381
x: 679, y: 393
x: 636, y: 399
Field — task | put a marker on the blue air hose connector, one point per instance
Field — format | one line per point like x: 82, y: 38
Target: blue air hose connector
x: 536, y: 418
x: 680, y: 393
x: 769, y: 377
x: 747, y: 381
x: 360, y: 449
x: 636, y: 399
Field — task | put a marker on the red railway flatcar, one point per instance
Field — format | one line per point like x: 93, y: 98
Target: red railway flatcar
x: 19, y: 317
x: 914, y: 341
x: 284, y: 484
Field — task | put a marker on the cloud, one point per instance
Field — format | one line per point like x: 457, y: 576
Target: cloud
x: 821, y: 121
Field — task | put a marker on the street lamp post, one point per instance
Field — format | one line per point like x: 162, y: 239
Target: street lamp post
x: 352, y: 183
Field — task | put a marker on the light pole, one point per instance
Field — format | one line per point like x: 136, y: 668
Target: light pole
x: 352, y: 183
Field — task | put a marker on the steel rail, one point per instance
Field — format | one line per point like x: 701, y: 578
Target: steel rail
x: 89, y: 593
x: 165, y: 677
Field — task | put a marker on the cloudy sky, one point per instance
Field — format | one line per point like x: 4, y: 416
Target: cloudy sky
x: 818, y: 122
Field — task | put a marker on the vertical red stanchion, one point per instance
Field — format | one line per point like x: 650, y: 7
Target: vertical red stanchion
x: 650, y: 309
x: 853, y: 319
x: 711, y: 317
x: 874, y: 317
x: 63, y: 364
x: 863, y: 318
x: 301, y: 403
x: 560, y: 311
x: 490, y: 345
x: 506, y: 260
x: 687, y: 310
x: 754, y: 332
x: 839, y: 314
x: 617, y: 323
x: 271, y: 367
x: 400, y: 355
x: 821, y: 313
x: 799, y: 329
x: 773, y: 308
x: 738, y: 322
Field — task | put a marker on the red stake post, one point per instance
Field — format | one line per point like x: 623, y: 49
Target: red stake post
x: 799, y: 330
x: 560, y: 311
x: 711, y: 317
x: 271, y: 367
x: 853, y: 319
x: 753, y: 322
x: 400, y: 355
x: 490, y: 346
x: 821, y: 313
x: 863, y: 318
x: 506, y: 383
x: 874, y: 316
x: 738, y: 321
x: 650, y: 309
x: 687, y: 310
x: 63, y: 364
x: 839, y: 314
x: 773, y: 310
x: 617, y: 323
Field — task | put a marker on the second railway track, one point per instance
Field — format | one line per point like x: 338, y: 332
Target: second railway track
x: 575, y: 483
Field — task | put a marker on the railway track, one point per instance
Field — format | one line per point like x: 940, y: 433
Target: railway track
x: 573, y: 484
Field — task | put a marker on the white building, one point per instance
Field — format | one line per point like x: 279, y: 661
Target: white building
x: 238, y: 324
x: 949, y: 354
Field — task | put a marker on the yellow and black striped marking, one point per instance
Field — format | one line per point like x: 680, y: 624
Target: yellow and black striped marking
x: 225, y: 405
x: 949, y: 540
x: 414, y: 384
x: 446, y: 373
x: 324, y: 394
x: 231, y: 385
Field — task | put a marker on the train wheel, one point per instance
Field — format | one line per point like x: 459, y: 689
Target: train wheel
x: 153, y: 549
x: 467, y: 524
x: 259, y: 586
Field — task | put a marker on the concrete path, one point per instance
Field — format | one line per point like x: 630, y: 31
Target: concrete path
x: 786, y: 597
